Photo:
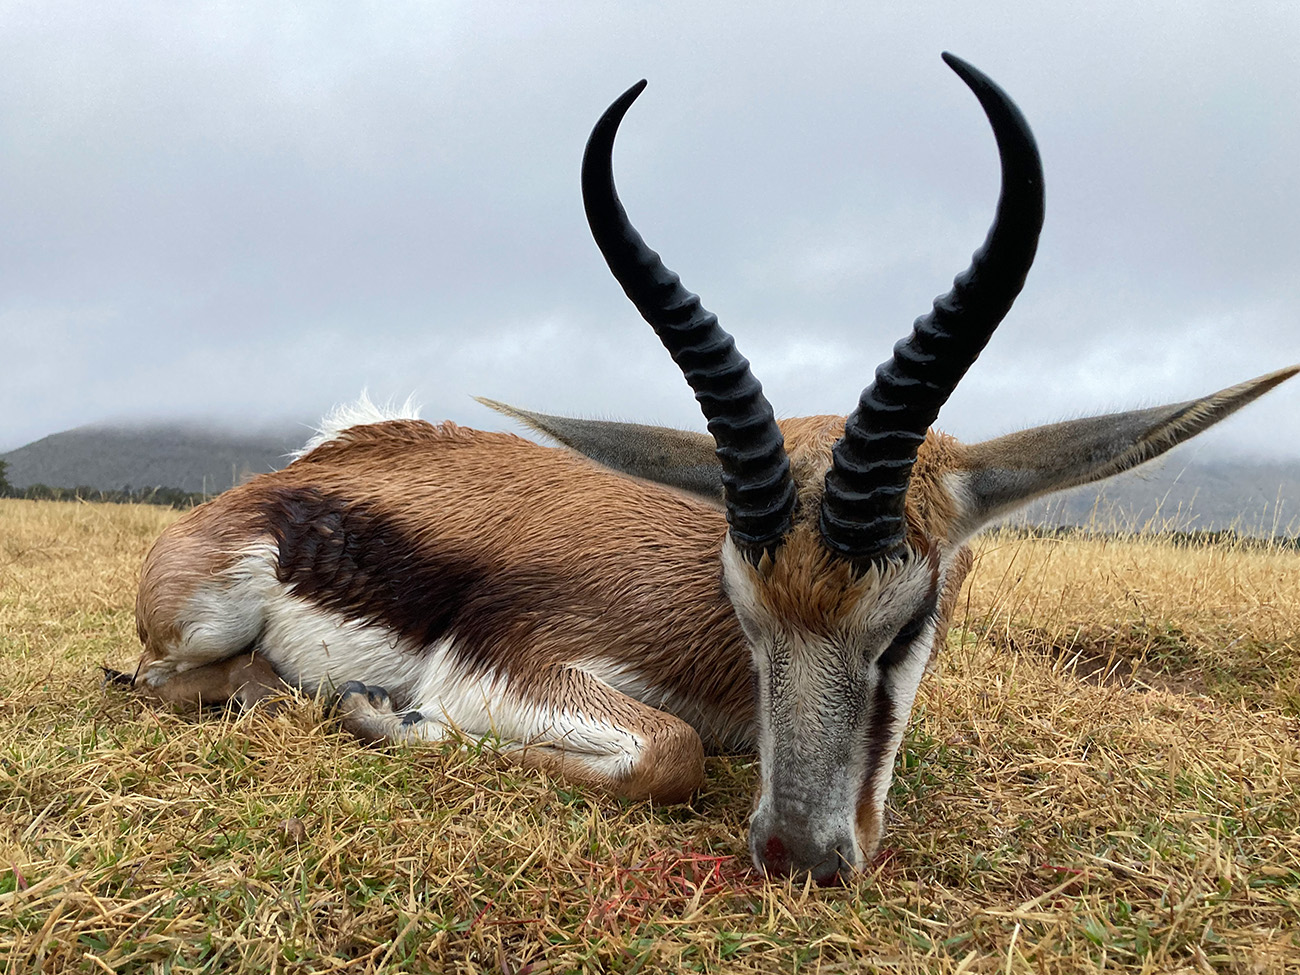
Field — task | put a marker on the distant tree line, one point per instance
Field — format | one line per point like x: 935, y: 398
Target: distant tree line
x: 1198, y: 538
x: 166, y: 496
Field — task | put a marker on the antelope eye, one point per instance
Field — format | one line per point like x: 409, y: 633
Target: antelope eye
x: 902, y: 643
x: 913, y: 629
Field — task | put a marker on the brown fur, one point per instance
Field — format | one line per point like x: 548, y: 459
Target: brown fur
x: 193, y: 550
x: 592, y: 539
x: 616, y: 555
x: 957, y: 572
x: 931, y: 510
x: 540, y: 561
x: 807, y: 587
x: 671, y: 767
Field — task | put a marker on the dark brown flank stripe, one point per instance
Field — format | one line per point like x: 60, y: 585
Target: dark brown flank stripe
x: 357, y: 562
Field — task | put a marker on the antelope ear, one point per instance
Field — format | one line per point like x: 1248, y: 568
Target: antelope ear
x: 678, y: 459
x: 998, y: 476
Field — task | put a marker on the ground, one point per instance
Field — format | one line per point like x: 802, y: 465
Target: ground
x: 1103, y: 774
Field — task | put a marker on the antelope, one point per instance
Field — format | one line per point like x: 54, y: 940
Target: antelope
x: 610, y: 608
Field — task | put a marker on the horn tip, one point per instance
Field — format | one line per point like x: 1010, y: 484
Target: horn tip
x: 603, y: 133
x: 964, y: 69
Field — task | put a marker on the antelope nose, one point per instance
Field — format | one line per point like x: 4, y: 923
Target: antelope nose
x: 835, y: 868
x: 775, y: 858
x: 825, y: 867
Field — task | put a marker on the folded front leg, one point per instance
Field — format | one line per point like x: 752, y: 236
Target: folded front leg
x: 588, y: 732
x: 563, y: 721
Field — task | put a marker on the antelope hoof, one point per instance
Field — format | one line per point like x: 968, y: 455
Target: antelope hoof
x: 117, y: 678
x: 366, y: 712
x: 376, y: 698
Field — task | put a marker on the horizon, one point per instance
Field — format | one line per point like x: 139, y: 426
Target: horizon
x: 294, y: 433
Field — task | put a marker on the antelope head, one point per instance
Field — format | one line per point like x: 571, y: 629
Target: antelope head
x: 845, y: 538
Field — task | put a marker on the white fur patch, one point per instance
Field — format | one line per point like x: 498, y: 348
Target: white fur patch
x: 222, y: 618
x: 318, y: 650
x: 360, y: 413
x: 714, y: 726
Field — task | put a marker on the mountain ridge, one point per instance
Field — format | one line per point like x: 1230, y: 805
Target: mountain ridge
x: 191, y: 457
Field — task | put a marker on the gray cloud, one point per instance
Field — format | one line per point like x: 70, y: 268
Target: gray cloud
x: 248, y: 214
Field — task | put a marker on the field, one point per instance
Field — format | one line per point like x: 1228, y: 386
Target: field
x: 1103, y: 774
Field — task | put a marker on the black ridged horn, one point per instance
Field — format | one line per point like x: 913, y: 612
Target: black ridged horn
x: 756, y: 477
x: 862, y: 510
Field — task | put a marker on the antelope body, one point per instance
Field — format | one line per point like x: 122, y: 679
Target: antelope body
x: 611, y: 608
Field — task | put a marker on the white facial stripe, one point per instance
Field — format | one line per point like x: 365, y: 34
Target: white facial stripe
x: 901, y: 683
x: 898, y: 599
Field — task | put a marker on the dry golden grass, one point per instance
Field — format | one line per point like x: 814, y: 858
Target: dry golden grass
x: 1103, y: 775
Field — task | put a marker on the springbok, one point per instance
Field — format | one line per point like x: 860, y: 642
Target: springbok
x: 590, y: 607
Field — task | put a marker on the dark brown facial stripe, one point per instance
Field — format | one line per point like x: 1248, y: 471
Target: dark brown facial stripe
x: 364, y: 565
x: 878, y: 735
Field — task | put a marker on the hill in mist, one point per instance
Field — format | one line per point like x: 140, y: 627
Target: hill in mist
x: 190, y: 458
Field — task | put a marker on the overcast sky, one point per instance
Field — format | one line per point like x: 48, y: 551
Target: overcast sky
x: 252, y: 211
